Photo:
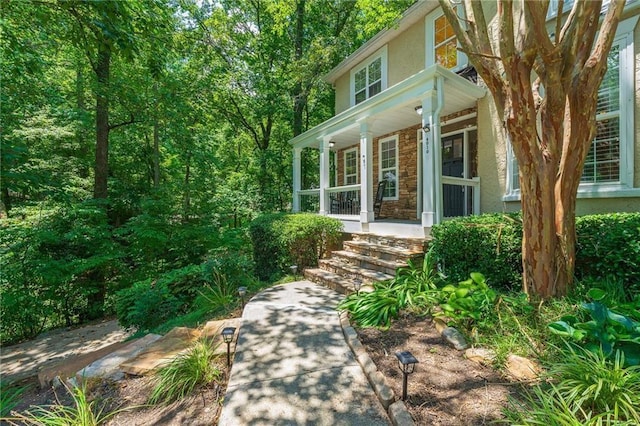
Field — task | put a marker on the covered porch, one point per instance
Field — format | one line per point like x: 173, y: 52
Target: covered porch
x: 396, y: 136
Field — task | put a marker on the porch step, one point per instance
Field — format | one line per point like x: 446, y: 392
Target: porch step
x: 333, y: 281
x: 411, y: 244
x: 367, y: 276
x: 382, y: 252
x: 368, y: 262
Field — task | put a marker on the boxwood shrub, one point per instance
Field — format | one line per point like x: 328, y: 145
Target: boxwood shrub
x: 608, y: 245
x: 282, y: 239
x: 490, y: 243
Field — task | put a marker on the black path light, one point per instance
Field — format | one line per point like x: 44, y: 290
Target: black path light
x: 227, y: 336
x: 407, y: 363
x: 242, y: 291
x: 294, y: 270
x: 356, y: 285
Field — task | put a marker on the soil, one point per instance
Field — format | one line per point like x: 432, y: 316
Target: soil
x: 445, y: 389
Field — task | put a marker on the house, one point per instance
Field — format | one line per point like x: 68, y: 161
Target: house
x: 409, y: 84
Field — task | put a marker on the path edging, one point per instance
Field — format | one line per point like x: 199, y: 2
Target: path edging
x: 396, y: 410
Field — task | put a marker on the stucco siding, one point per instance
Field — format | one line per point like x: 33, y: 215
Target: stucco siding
x: 406, y: 54
x: 342, y: 93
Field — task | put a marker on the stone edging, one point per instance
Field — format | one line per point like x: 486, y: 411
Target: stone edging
x: 396, y: 410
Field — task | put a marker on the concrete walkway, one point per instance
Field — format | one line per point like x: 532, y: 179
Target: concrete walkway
x: 293, y: 367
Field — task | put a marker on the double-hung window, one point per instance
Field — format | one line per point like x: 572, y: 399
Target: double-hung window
x: 388, y: 155
x: 370, y: 78
x: 351, y: 166
x: 608, y: 169
x: 441, y: 43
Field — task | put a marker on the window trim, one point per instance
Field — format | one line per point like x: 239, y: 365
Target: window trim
x: 430, y: 38
x: 344, y: 161
x: 379, y: 54
x: 624, y: 187
x: 395, y: 139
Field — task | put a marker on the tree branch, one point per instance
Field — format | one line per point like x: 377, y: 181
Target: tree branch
x: 125, y: 123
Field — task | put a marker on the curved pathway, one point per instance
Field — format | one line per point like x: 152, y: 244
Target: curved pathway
x: 293, y: 366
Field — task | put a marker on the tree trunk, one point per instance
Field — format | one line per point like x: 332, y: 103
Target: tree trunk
x: 102, y: 122
x: 299, y: 98
x: 156, y: 139
x: 81, y: 135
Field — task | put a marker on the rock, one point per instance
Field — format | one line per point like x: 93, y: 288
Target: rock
x: 454, y: 338
x: 522, y: 369
x: 480, y: 355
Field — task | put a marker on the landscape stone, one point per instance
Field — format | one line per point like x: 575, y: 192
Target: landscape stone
x: 399, y: 415
x: 480, y: 355
x: 454, y: 338
x: 213, y: 331
x: 522, y: 369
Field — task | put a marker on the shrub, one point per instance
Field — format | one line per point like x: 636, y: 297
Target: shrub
x: 9, y: 397
x: 146, y: 305
x: 490, y: 243
x: 183, y: 374
x: 609, y: 246
x: 280, y: 240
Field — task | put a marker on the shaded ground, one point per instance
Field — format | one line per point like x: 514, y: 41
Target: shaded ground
x: 446, y: 388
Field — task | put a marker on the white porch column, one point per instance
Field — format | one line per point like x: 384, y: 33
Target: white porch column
x: 431, y: 158
x: 366, y: 172
x: 325, y: 151
x: 297, y: 168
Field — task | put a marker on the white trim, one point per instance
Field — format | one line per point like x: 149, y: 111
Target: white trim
x: 380, y: 54
x: 396, y: 168
x: 429, y: 33
x: 344, y: 165
x: 419, y: 174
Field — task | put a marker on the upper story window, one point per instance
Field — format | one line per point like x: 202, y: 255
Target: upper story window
x: 441, y: 43
x: 351, y: 166
x: 369, y: 78
x: 609, y: 168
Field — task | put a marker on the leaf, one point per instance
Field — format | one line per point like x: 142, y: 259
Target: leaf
x: 621, y: 319
x: 596, y: 294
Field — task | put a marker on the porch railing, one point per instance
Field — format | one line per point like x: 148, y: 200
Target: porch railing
x: 461, y: 196
x: 309, y: 200
x: 344, y: 200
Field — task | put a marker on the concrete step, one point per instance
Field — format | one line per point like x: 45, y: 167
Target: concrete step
x: 367, y: 276
x: 368, y: 262
x: 412, y: 244
x: 382, y: 252
x: 336, y: 282
x: 108, y: 367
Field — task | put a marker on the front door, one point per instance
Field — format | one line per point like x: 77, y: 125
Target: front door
x: 453, y: 165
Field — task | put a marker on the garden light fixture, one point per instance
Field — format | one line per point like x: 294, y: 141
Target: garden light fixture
x: 227, y: 336
x: 356, y: 285
x: 294, y: 270
x: 242, y: 291
x: 407, y: 363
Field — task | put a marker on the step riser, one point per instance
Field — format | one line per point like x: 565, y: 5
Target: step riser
x: 364, y: 264
x: 337, y: 269
x: 380, y: 254
x: 327, y: 283
x: 384, y: 240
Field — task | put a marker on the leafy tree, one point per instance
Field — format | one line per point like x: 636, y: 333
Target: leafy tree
x: 545, y: 88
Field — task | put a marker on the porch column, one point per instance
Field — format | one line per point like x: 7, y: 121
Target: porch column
x: 431, y: 137
x: 325, y: 151
x: 297, y: 168
x: 366, y: 171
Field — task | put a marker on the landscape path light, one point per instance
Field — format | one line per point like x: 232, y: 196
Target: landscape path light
x: 227, y: 336
x: 294, y: 270
x: 242, y: 291
x: 407, y: 363
x: 356, y: 285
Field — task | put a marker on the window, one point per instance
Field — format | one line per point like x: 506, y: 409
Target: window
x: 442, y: 44
x: 351, y: 166
x: 608, y: 169
x: 370, y: 78
x: 388, y: 155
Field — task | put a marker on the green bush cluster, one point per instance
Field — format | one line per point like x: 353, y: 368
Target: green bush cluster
x: 491, y: 243
x: 280, y: 240
x: 608, y: 245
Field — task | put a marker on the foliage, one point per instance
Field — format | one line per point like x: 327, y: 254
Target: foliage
x: 467, y: 303
x: 412, y: 287
x: 146, y: 304
x: 83, y: 412
x: 599, y: 328
x: 9, y: 398
x: 181, y: 376
x: 609, y: 246
x: 589, y: 388
x: 280, y: 240
x: 490, y: 243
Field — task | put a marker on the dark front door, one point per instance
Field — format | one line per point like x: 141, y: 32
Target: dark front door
x: 453, y: 165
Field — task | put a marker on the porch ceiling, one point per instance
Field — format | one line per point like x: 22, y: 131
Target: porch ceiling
x: 393, y: 109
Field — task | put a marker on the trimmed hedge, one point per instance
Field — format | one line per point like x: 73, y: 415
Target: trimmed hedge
x: 608, y: 246
x: 490, y: 243
x: 283, y: 239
